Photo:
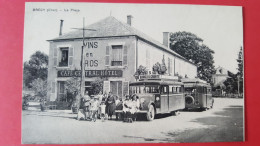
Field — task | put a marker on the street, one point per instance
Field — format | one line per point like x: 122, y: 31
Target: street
x: 222, y: 123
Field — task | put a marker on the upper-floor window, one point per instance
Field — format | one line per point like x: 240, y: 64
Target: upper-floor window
x: 64, y: 58
x: 117, y: 55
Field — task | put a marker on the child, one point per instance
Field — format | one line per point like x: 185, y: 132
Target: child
x: 126, y: 104
x: 117, y: 100
x: 94, y: 108
x: 102, y: 111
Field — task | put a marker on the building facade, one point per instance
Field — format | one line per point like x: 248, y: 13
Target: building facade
x: 220, y: 76
x: 112, y: 53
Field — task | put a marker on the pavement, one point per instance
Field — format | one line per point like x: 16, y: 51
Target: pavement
x: 222, y: 123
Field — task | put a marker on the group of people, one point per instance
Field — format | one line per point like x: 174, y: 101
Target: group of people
x: 104, y: 106
x: 130, y: 108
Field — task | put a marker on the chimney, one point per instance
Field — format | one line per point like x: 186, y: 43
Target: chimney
x: 61, y: 25
x: 129, y: 19
x: 166, y: 39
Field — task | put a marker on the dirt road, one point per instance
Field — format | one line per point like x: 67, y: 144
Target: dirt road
x: 222, y: 123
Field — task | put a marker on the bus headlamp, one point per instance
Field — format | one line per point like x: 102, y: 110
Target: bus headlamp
x: 157, y: 98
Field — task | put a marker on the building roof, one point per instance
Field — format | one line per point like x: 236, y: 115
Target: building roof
x: 111, y: 27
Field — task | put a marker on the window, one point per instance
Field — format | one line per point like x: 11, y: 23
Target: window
x: 164, y: 89
x: 177, y: 89
x: 144, y: 89
x: 64, y: 58
x: 117, y: 55
x: 88, y: 88
x: 147, y: 59
x: 169, y: 66
x: 209, y: 90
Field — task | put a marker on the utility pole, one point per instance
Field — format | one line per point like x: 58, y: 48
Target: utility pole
x: 82, y: 58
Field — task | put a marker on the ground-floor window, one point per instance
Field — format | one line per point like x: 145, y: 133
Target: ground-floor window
x: 116, y: 88
x: 88, y: 88
x: 61, y: 93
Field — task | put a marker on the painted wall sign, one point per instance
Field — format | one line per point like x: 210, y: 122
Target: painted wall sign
x: 69, y: 73
x: 91, y: 44
x: 103, y: 73
x: 90, y: 73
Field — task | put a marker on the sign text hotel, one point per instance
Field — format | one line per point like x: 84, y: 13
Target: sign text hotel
x: 90, y: 73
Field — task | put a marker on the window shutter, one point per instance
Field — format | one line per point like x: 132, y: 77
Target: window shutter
x: 125, y: 88
x: 106, y: 87
x: 55, y: 57
x: 169, y: 65
x: 107, y: 59
x: 71, y: 54
x: 53, y: 87
x: 147, y: 59
x: 125, y: 55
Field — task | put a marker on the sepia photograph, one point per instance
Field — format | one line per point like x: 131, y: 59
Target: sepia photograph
x: 96, y: 73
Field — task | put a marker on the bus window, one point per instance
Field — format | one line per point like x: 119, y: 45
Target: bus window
x: 182, y: 89
x: 154, y: 89
x: 144, y: 89
x: 209, y: 90
x: 170, y: 89
x: 176, y: 89
x: 164, y: 89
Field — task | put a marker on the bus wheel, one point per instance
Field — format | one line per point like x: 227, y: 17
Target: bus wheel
x: 150, y: 114
x: 211, y: 105
x: 175, y: 113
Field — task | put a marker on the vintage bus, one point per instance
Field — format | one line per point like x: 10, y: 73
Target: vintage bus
x: 197, y: 94
x: 158, y: 96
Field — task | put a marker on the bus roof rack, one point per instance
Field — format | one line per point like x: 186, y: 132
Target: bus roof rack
x: 157, y: 77
x: 193, y: 80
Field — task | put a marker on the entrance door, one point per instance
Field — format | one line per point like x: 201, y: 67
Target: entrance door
x: 61, y: 95
x: 116, y: 88
x: 164, y: 98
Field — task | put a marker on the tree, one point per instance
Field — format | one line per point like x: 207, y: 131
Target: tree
x: 240, y: 61
x: 97, y: 86
x: 231, y: 83
x: 240, y: 69
x: 72, y: 87
x: 40, y: 87
x: 190, y: 47
x: 36, y: 67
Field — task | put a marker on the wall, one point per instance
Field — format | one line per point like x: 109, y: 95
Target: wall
x: 148, y: 55
x: 99, y: 57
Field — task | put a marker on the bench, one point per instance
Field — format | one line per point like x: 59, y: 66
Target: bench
x: 52, y: 107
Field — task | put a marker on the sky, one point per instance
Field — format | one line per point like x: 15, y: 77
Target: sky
x: 220, y: 27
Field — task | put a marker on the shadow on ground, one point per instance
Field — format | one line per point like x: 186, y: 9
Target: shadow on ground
x: 226, y: 125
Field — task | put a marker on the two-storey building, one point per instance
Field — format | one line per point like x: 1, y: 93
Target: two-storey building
x: 112, y: 52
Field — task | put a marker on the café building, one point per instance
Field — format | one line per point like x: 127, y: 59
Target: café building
x: 112, y: 52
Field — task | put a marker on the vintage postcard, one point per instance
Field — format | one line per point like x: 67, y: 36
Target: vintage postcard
x: 132, y: 73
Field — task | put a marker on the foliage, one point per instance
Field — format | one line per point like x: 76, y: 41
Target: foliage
x: 240, y: 61
x: 36, y: 67
x: 231, y: 85
x: 190, y: 47
x: 40, y: 87
x: 141, y: 70
x: 232, y: 82
x: 72, y: 85
x: 240, y: 69
x: 97, y: 86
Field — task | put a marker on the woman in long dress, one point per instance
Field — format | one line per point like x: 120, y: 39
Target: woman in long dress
x: 110, y: 103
